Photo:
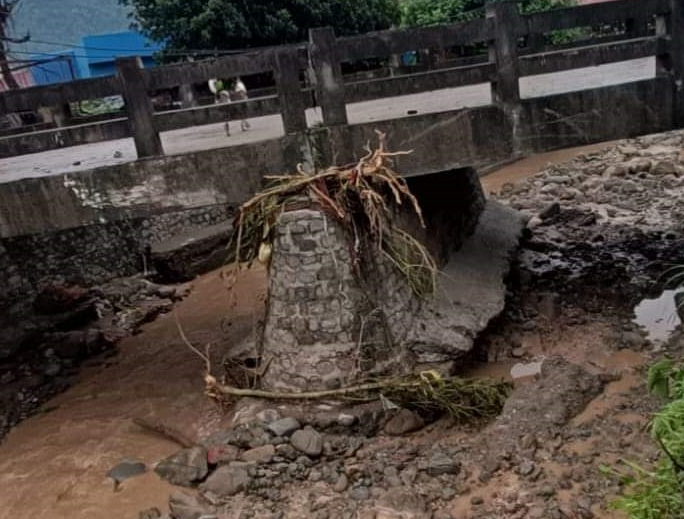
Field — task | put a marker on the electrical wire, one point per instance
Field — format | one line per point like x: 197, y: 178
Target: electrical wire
x: 184, y: 52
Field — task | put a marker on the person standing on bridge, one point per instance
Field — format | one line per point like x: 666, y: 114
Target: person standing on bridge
x: 238, y: 92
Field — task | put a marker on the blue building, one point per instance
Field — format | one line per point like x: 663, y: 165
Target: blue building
x: 101, y: 51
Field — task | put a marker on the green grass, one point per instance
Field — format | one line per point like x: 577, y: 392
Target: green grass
x: 659, y: 493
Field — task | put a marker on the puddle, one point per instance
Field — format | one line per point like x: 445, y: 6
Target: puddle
x: 659, y: 316
x: 506, y: 370
x: 529, y: 369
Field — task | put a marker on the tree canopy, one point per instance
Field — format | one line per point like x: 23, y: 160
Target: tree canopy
x: 430, y: 12
x: 237, y: 24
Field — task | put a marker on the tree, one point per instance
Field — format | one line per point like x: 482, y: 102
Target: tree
x: 431, y: 12
x: 236, y: 24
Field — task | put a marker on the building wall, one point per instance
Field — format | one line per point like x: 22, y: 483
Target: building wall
x: 94, y: 57
x: 103, y: 49
x: 66, y: 69
x: 23, y: 77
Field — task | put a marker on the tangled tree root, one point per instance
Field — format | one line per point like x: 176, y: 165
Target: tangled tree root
x: 363, y: 198
x: 426, y: 392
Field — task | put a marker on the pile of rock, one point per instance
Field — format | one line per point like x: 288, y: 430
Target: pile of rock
x: 276, y: 467
x: 42, y: 345
x: 608, y: 222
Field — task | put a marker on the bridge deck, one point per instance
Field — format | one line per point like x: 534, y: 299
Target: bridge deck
x: 83, y: 157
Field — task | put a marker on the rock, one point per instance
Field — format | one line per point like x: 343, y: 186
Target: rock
x: 283, y: 427
x: 52, y: 369
x: 260, y: 455
x: 346, y: 420
x: 615, y: 171
x: 526, y: 468
x: 476, y: 501
x: 547, y: 491
x: 227, y: 481
x: 518, y: 352
x: 441, y: 463
x: 126, y: 469
x: 184, y: 468
x: 560, y: 393
x: 184, y: 256
x: 536, y: 512
x: 549, y: 305
x: 528, y: 326
x: 341, y: 484
x: 308, y: 441
x: 631, y: 341
x: 401, y: 503
x: 287, y: 451
x: 550, y: 189
x: 551, y: 211
x: 404, y: 422
x: 268, y: 416
x: 359, y: 493
x: 639, y: 166
x: 222, y: 454
x: 664, y: 167
x: 187, y: 506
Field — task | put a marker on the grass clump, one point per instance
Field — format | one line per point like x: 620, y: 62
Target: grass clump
x: 659, y: 493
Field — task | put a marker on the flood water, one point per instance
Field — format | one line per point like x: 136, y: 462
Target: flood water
x: 659, y: 316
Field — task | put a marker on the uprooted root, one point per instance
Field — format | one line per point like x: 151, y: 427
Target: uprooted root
x: 427, y: 392
x: 362, y: 197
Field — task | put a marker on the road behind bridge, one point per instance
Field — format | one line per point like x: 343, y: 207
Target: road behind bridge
x: 78, y: 158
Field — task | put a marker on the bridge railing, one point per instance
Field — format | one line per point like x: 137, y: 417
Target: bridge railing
x: 320, y: 60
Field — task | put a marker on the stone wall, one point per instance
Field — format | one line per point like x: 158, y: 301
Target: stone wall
x: 91, y: 254
x: 321, y: 325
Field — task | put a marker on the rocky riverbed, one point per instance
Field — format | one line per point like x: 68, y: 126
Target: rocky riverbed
x: 602, y: 229
x: 45, y: 344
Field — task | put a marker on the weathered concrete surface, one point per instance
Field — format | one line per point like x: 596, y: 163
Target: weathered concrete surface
x: 139, y: 189
x: 471, y: 289
x: 184, y: 256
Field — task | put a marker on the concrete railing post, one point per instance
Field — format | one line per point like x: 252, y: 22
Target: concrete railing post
x: 329, y: 83
x: 670, y: 60
x: 138, y: 107
x: 289, y: 88
x: 503, y: 51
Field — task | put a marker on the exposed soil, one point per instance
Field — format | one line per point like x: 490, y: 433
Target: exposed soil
x: 571, y: 297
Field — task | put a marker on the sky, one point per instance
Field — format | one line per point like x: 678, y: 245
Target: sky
x: 64, y: 22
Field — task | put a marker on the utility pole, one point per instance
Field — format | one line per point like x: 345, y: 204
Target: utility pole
x: 6, y: 7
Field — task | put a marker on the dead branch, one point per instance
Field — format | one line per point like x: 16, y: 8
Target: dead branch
x: 204, y: 356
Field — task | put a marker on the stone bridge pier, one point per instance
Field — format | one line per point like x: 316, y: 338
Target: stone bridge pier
x: 331, y: 322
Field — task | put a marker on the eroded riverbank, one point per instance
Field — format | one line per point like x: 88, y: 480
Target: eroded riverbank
x: 571, y: 296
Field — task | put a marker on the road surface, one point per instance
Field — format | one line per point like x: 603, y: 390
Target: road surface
x: 77, y: 158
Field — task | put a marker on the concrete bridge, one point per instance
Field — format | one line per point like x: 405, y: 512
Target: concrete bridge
x: 61, y: 216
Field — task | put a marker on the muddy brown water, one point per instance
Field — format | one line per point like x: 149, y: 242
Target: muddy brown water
x: 53, y: 465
